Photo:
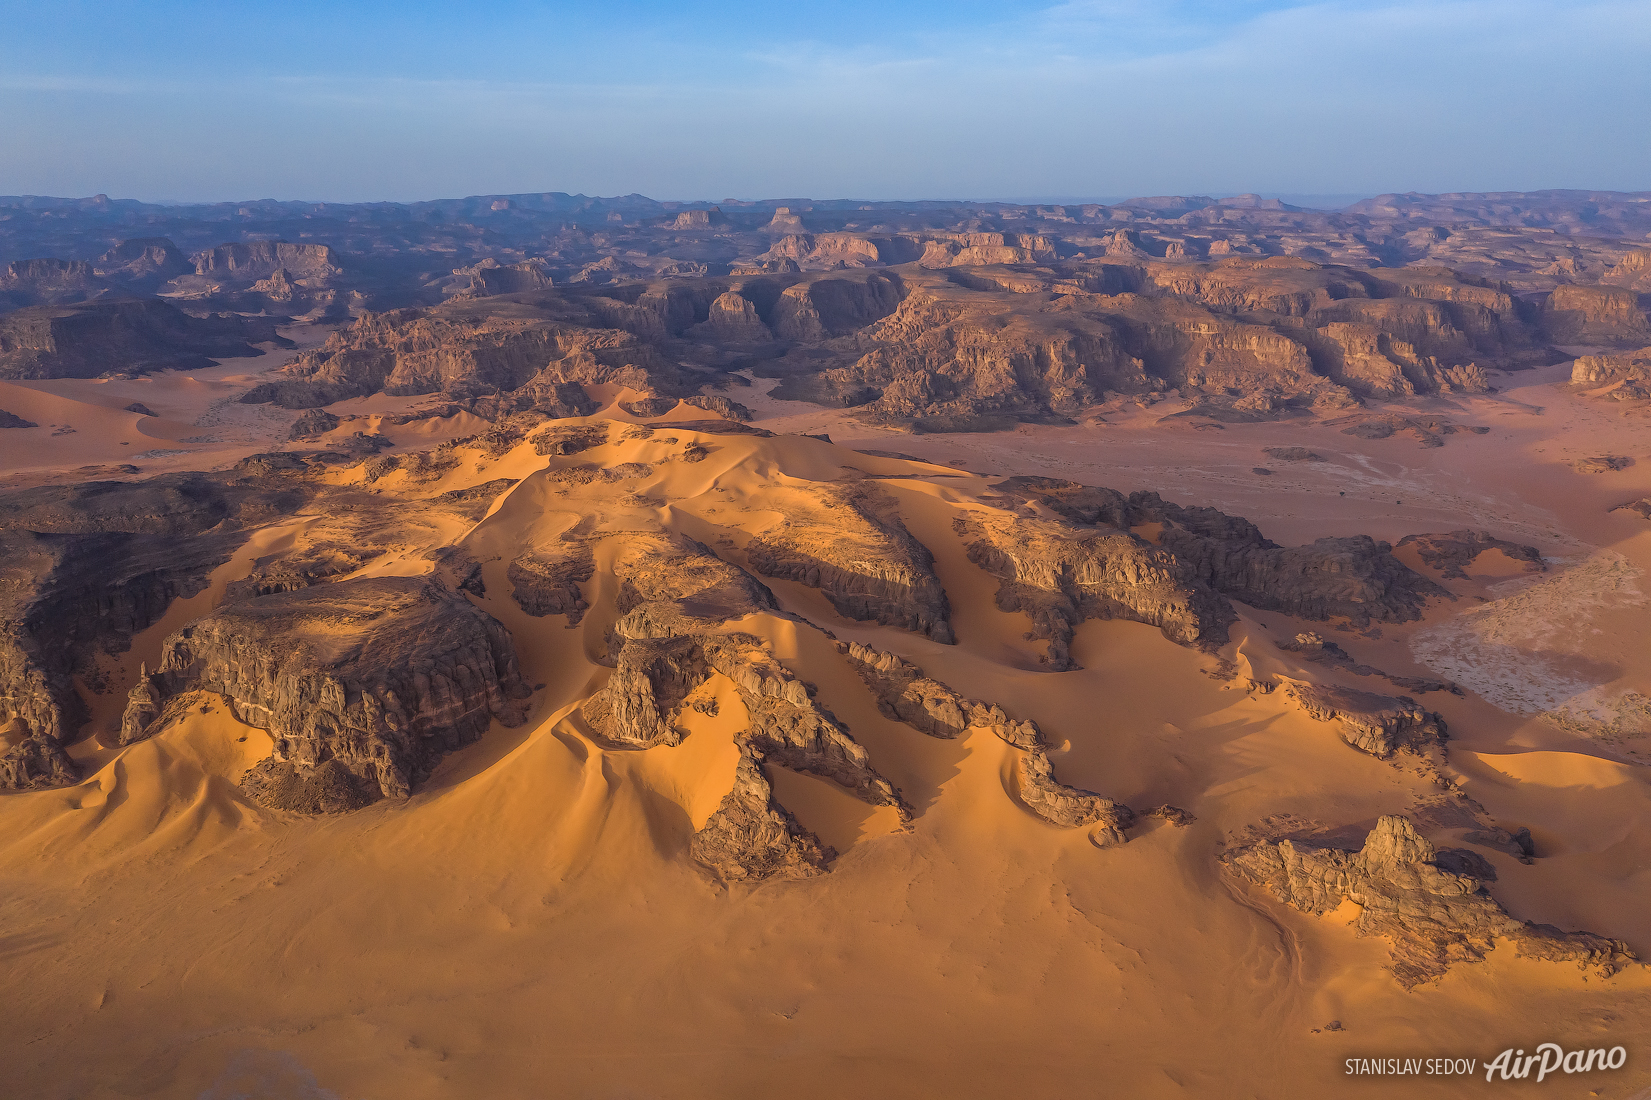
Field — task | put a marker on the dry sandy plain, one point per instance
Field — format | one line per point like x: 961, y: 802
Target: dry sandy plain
x: 527, y: 925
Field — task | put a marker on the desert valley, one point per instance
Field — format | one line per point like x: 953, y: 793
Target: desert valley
x: 539, y: 645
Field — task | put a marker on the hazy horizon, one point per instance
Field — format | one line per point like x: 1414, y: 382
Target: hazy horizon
x: 373, y: 102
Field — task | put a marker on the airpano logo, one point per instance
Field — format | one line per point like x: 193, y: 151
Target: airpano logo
x: 1512, y: 1064
x: 1552, y: 1058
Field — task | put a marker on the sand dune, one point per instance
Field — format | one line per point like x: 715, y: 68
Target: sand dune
x: 528, y: 922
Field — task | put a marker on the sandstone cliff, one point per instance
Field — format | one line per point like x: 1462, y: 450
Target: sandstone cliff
x: 1604, y: 315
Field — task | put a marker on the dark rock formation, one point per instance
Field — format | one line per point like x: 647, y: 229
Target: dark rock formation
x: 650, y: 407
x: 1625, y: 377
x: 904, y: 694
x: 383, y: 676
x: 84, y: 567
x: 135, y: 335
x: 751, y: 837
x: 1069, y: 554
x: 1062, y: 574
x: 311, y: 423
x: 48, y: 282
x: 1320, y: 650
x: 1377, y: 724
x: 1452, y: 553
x: 546, y: 581
x: 1595, y: 315
x: 1603, y: 464
x: 33, y: 761
x: 852, y: 545
x: 1641, y: 507
x: 12, y: 420
x: 722, y: 406
x: 143, y: 707
x: 570, y: 439
x: 674, y: 596
x: 928, y: 706
x: 1432, y: 916
x: 1357, y: 577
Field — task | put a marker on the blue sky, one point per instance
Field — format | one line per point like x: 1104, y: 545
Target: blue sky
x: 964, y: 99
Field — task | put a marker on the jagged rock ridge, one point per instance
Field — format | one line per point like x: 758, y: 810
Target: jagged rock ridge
x: 1432, y: 916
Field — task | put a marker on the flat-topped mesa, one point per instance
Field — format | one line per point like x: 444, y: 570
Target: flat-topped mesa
x: 1061, y: 575
x: 364, y: 685
x: 849, y: 542
x: 1418, y: 898
x: 1377, y: 724
x: 904, y: 694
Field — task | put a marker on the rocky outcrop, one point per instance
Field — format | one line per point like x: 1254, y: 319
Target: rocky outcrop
x: 732, y: 319
x: 380, y: 677
x: 12, y: 420
x: 48, y: 282
x: 722, y: 406
x: 1640, y: 507
x: 569, y: 439
x: 143, y: 707
x: 1062, y: 574
x: 85, y: 567
x: 823, y: 308
x: 906, y: 695
x: 33, y: 761
x: 1377, y: 724
x: 250, y: 261
x: 490, y: 277
x: 134, y: 335
x: 511, y: 357
x: 1597, y: 315
x: 1355, y: 577
x: 1452, y: 553
x: 143, y: 263
x: 674, y: 599
x: 311, y: 423
x: 751, y: 837
x: 1625, y: 377
x: 1310, y: 646
x: 1431, y: 916
x: 546, y: 581
x: 1069, y: 554
x: 1632, y: 271
x: 1069, y: 807
x: 849, y: 542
